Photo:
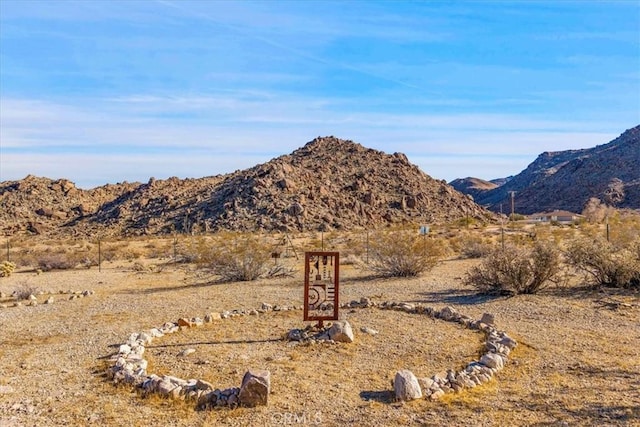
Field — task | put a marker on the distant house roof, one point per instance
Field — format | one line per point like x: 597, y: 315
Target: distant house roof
x: 557, y: 215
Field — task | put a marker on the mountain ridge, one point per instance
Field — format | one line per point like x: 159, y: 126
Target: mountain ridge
x: 567, y: 179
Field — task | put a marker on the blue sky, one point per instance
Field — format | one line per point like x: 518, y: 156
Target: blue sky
x: 108, y: 91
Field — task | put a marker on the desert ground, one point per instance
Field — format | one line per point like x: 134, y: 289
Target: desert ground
x: 577, y: 362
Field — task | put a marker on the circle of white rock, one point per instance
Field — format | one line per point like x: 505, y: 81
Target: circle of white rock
x: 129, y: 366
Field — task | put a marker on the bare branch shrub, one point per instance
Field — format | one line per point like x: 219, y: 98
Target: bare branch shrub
x: 475, y: 247
x: 237, y: 257
x: 55, y: 261
x: 350, y: 259
x: 594, y: 211
x: 515, y: 270
x: 24, y: 291
x: 403, y: 254
x: 605, y: 264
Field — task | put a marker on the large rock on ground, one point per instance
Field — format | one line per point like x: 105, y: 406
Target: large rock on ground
x: 406, y: 386
x: 341, y: 331
x: 255, y: 388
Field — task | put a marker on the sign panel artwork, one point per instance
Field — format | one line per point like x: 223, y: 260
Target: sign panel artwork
x: 321, y: 284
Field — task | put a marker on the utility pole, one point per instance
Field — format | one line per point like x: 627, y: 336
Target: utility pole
x: 513, y: 204
x: 501, y: 227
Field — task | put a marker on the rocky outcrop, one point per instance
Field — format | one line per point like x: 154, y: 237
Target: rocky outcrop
x: 44, y: 206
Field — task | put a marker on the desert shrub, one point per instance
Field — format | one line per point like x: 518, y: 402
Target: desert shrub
x: 606, y: 264
x: 350, y: 259
x: 403, y: 254
x: 515, y: 270
x: 55, y: 261
x: 594, y: 211
x: 236, y: 257
x: 475, y: 247
x: 24, y: 291
x: 7, y: 268
x: 159, y: 249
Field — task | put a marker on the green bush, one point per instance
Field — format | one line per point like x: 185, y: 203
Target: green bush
x: 606, y: 264
x: 403, y: 254
x: 515, y: 270
x: 7, y: 268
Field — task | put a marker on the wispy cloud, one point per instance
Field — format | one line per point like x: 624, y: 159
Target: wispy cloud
x: 192, y: 88
x: 232, y: 133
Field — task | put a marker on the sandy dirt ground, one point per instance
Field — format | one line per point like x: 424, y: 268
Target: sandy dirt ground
x: 577, y: 363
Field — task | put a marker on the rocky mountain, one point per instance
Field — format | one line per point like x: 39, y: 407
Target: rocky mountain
x: 472, y: 186
x: 500, y: 181
x: 327, y: 184
x: 566, y: 180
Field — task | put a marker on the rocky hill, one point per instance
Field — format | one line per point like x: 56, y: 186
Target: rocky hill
x: 566, y: 180
x: 327, y: 184
x: 472, y: 186
x: 42, y: 205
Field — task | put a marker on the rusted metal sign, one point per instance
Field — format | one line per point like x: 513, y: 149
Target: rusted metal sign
x: 321, y: 286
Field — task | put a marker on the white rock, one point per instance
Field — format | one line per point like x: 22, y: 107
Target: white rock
x: 406, y: 386
x: 145, y: 338
x: 368, y: 330
x: 124, y: 349
x: 212, y: 317
x: 186, y: 352
x: 49, y: 300
x: 492, y: 360
x: 341, y: 331
x: 508, y: 342
x: 138, y: 350
x: 426, y: 383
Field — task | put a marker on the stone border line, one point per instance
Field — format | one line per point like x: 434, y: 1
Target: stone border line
x: 131, y: 368
x: 497, y: 343
x: 32, y: 300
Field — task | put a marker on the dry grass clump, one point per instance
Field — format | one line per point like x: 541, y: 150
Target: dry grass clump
x: 403, y: 254
x: 515, y: 270
x: 606, y: 264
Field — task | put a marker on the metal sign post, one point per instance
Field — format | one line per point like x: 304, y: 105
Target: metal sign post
x: 424, y: 230
x: 321, y: 286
